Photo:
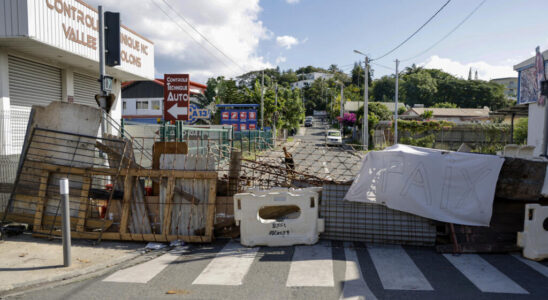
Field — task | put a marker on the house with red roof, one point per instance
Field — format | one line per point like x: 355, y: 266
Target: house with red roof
x: 142, y: 101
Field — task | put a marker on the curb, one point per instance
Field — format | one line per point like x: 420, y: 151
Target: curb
x: 72, y: 274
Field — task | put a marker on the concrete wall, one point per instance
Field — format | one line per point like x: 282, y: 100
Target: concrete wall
x: 535, y: 128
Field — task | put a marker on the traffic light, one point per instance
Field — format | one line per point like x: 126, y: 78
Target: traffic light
x: 112, y: 39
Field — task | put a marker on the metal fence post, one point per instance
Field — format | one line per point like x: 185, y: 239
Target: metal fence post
x: 64, y: 191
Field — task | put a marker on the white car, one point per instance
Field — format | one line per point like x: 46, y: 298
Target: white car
x: 333, y: 137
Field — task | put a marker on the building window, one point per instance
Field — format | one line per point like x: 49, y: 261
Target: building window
x: 155, y: 104
x: 124, y: 105
x: 142, y: 104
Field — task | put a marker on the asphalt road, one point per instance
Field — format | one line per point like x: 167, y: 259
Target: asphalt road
x: 328, y: 270
x: 312, y: 156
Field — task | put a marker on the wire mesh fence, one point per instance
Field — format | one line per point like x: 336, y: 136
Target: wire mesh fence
x: 137, y: 183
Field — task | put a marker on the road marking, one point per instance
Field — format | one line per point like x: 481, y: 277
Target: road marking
x: 483, y: 275
x: 542, y: 269
x: 229, y: 267
x: 311, y: 266
x: 144, y: 272
x: 354, y: 287
x: 396, y: 269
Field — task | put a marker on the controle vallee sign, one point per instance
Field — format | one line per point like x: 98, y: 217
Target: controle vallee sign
x: 176, y: 97
x: 72, y: 25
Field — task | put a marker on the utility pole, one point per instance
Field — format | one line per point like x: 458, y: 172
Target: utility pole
x: 262, y: 103
x: 342, y: 111
x: 396, y: 107
x: 365, y: 125
x: 275, y: 113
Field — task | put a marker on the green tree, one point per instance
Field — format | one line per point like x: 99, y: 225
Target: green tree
x: 444, y: 105
x: 420, y: 88
x: 427, y: 115
x: 520, y: 131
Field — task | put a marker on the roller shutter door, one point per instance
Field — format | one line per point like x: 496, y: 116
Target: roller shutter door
x: 85, y: 89
x: 33, y: 83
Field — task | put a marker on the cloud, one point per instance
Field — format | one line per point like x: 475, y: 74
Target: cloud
x: 292, y: 1
x: 287, y: 41
x: 485, y: 71
x: 232, y: 26
x: 280, y: 59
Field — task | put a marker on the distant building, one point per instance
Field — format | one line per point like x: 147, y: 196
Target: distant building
x: 353, y: 106
x: 142, y: 101
x: 528, y: 95
x: 309, y: 79
x: 510, y: 86
x: 456, y: 115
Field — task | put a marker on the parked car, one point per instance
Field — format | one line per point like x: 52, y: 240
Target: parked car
x: 308, y: 122
x: 333, y: 137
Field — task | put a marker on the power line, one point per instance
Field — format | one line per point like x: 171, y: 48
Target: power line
x: 448, y: 34
x: 203, y: 36
x: 382, y: 66
x: 407, y: 39
x: 184, y: 30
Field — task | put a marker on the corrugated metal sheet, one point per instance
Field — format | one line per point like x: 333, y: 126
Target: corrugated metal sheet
x: 85, y: 89
x: 373, y: 223
x: 33, y: 83
x: 13, y: 16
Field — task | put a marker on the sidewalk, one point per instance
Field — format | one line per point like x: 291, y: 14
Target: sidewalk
x: 26, y: 261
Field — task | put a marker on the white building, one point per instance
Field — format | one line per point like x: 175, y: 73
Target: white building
x: 528, y: 95
x: 49, y: 52
x: 309, y: 79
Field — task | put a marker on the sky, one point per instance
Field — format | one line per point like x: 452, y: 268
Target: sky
x: 236, y: 36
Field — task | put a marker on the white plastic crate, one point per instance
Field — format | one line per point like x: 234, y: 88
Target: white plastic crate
x: 534, y: 238
x: 301, y: 227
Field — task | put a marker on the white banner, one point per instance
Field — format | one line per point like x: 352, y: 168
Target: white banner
x: 447, y: 186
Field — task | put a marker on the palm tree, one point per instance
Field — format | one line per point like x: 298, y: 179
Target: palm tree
x: 413, y: 69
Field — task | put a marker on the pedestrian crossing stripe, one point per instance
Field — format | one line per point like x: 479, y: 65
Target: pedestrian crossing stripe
x: 394, y: 268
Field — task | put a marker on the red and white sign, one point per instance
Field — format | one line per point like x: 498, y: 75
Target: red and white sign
x: 252, y: 126
x: 243, y: 115
x: 242, y: 127
x: 176, y: 97
x: 225, y: 115
x: 234, y: 115
x: 235, y: 126
x: 252, y: 115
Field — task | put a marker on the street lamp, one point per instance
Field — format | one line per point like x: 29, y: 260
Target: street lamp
x: 365, y: 126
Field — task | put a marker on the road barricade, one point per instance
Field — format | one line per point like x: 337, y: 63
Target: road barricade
x: 534, y: 238
x: 278, y: 217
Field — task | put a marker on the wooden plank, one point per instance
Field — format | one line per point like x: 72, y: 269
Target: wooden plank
x: 160, y: 148
x: 129, y: 181
x: 210, y: 220
x: 168, y: 206
x: 41, y: 203
x: 48, y: 220
x: 132, y: 172
x: 84, y: 203
x: 127, y: 236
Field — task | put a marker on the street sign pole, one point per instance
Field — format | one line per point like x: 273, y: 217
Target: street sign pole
x: 102, y: 98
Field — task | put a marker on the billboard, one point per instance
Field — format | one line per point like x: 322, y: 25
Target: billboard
x: 176, y: 97
x: 240, y: 119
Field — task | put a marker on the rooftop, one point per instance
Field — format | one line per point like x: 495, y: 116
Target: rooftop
x: 450, y: 112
